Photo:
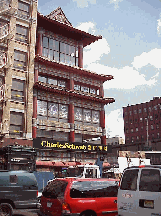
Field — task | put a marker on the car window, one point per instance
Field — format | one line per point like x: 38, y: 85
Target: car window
x: 129, y: 180
x: 87, y: 189
x: 54, y: 189
x: 150, y: 180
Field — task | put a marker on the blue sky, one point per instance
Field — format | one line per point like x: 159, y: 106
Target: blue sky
x: 130, y: 48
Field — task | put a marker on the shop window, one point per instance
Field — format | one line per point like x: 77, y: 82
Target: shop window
x: 16, y: 124
x: 17, y: 90
x: 20, y: 60
x: 21, y: 33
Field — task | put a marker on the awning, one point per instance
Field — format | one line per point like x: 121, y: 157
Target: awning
x: 50, y: 164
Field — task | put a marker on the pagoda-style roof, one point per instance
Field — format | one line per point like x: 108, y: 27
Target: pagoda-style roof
x: 57, y: 22
x: 59, y: 16
x: 72, y: 93
x: 73, y: 69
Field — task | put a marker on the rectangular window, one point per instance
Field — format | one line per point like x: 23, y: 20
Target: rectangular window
x: 13, y: 179
x: 85, y: 89
x: 54, y: 189
x: 150, y: 180
x: 20, y: 60
x: 23, y: 10
x: 77, y: 87
x: 92, y: 91
x: 42, y: 79
x: 63, y: 111
x: 16, y: 124
x: 78, y: 114
x: 129, y: 180
x: 61, y: 83
x: 17, y: 90
x: 94, y: 189
x: 52, y: 81
x: 42, y: 108
x: 95, y: 116
x: 21, y: 33
x: 87, y: 115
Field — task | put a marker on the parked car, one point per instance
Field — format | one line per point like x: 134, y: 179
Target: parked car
x: 77, y: 196
x: 140, y: 191
x: 18, y: 189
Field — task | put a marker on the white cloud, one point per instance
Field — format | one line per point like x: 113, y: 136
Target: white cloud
x: 124, y: 78
x: 94, y: 51
x: 153, y: 57
x: 114, y: 123
x: 87, y: 27
x: 159, y: 26
x: 84, y: 3
x: 115, y: 2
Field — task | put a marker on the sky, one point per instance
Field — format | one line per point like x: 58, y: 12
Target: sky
x: 130, y: 49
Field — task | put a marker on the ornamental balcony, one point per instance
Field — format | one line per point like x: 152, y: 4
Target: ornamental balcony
x: 3, y: 59
x: 4, y: 31
x: 6, y: 8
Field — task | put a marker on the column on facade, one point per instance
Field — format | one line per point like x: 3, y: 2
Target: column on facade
x: 102, y: 125
x: 101, y: 90
x: 34, y: 125
x: 40, y: 42
x: 80, y: 55
x: 71, y: 111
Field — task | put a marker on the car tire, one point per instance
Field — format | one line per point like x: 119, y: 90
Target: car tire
x: 88, y: 213
x: 6, y: 209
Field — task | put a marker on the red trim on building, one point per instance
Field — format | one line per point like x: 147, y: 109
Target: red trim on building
x: 63, y: 29
x: 72, y: 69
x: 55, y: 89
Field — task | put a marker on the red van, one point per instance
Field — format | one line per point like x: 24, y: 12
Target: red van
x: 80, y: 197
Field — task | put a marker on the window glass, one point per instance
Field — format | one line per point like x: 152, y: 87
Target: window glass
x: 56, y: 45
x: 21, y: 33
x: 42, y: 107
x: 92, y: 91
x: 78, y: 114
x: 67, y: 49
x: 50, y: 55
x: 45, y: 42
x: 16, y: 118
x: 61, y: 83
x: 63, y: 111
x: 56, y: 56
x: 77, y: 87
x: 95, y: 116
x: 129, y: 180
x: 13, y: 179
x: 45, y: 52
x: 87, y: 115
x: 62, y: 57
x: 85, y: 89
x: 52, y: 81
x: 23, y: 6
x: 53, y: 110
x: 62, y: 47
x: 42, y: 79
x: 150, y: 180
x: 17, y: 84
x: 51, y: 43
x: 55, y: 189
x: 93, y: 189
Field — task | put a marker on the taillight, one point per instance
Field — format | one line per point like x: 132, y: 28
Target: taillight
x: 141, y: 166
x: 65, y: 208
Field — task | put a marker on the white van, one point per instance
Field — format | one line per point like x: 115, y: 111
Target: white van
x: 140, y: 191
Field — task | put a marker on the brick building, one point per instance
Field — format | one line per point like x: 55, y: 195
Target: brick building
x: 142, y: 124
x: 45, y: 92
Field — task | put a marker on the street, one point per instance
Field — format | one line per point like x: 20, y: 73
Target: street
x: 25, y: 212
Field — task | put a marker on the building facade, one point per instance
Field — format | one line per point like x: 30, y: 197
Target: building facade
x: 142, y: 124
x: 45, y: 92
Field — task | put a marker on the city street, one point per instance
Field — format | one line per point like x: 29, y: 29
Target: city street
x: 25, y: 212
